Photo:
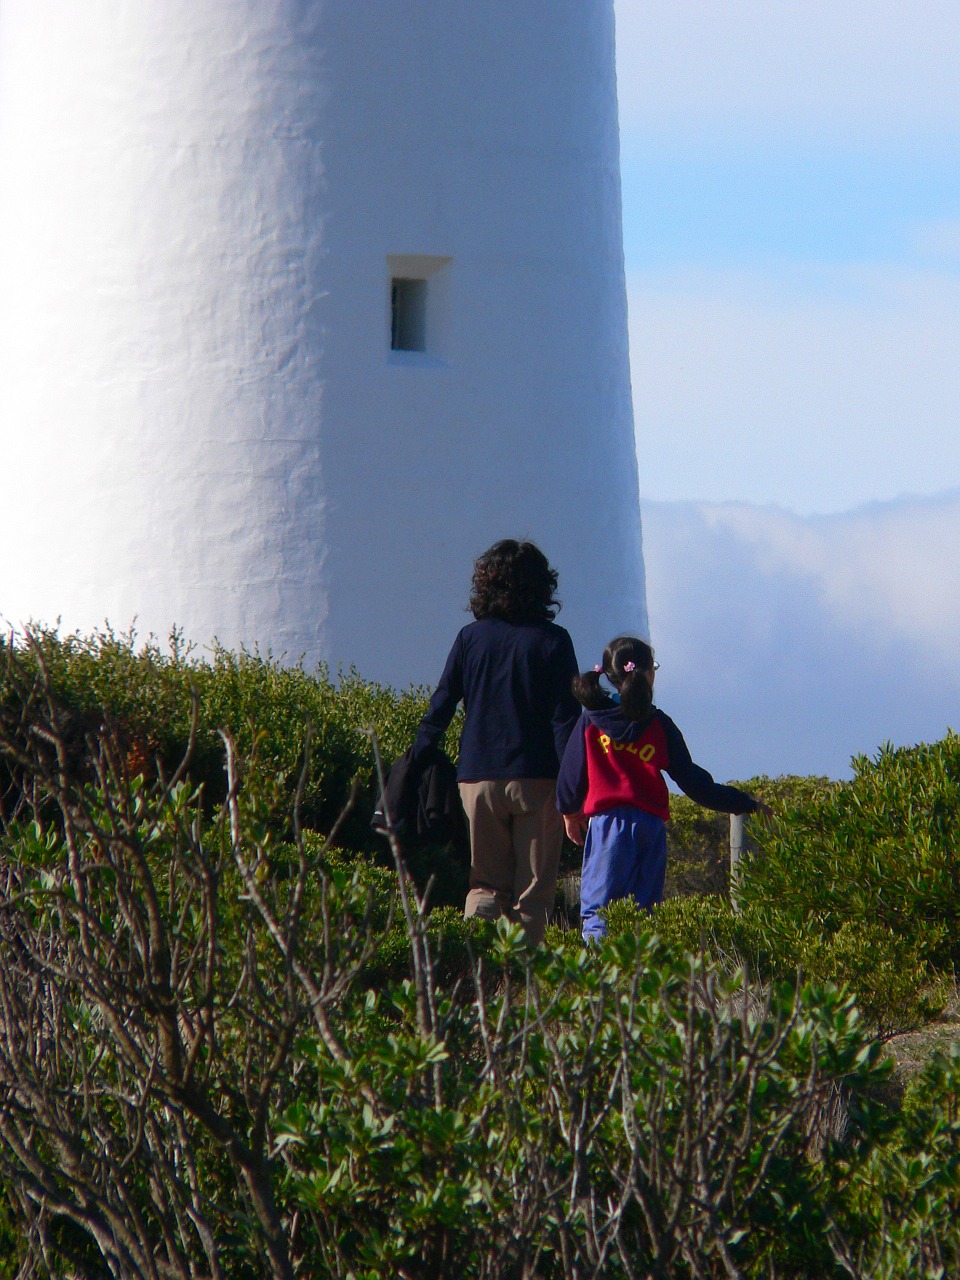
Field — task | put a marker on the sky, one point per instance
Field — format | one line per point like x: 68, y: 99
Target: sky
x: 791, y: 194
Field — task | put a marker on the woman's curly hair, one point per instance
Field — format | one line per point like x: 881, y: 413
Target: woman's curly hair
x: 513, y: 580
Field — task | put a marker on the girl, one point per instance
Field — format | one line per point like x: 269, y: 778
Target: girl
x: 611, y: 775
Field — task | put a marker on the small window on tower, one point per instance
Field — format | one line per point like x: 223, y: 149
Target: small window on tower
x: 408, y: 314
x: 418, y: 311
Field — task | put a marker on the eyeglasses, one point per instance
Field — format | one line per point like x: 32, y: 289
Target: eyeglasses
x: 656, y: 666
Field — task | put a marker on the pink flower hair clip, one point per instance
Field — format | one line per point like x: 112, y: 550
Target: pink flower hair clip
x: 629, y: 666
x: 598, y: 668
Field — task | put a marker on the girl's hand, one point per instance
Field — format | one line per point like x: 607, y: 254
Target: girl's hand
x: 575, y: 825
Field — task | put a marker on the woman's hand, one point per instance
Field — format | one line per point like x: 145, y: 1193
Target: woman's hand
x: 575, y: 825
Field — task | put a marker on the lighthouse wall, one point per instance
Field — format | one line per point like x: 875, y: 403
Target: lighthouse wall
x: 203, y: 422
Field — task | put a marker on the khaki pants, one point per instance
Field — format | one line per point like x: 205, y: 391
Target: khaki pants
x: 515, y: 838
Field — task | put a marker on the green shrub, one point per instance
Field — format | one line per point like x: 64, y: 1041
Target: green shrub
x: 12, y: 1245
x: 854, y: 882
x: 901, y: 1190
x: 883, y: 849
x: 228, y: 1047
x: 857, y: 884
x: 698, y: 839
x: 894, y: 986
x: 144, y: 694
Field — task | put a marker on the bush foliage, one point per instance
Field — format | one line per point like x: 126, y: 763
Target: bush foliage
x: 883, y: 849
x: 143, y: 695
x: 852, y: 882
x: 698, y: 839
x: 231, y: 1046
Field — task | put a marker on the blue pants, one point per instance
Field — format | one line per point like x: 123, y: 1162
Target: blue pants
x: 625, y: 856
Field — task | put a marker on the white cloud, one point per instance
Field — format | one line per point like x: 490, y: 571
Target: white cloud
x: 865, y: 68
x: 791, y: 643
x: 816, y: 388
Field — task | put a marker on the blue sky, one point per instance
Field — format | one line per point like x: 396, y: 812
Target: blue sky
x: 791, y: 189
x: 760, y: 203
x: 791, y: 193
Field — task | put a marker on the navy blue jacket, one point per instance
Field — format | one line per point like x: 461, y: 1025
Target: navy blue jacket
x: 514, y: 681
x: 612, y: 761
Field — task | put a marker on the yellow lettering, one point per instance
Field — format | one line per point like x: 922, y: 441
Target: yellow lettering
x: 648, y: 751
x: 632, y: 748
x: 605, y: 743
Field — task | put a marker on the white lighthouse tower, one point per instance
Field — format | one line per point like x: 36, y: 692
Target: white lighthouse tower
x: 303, y: 303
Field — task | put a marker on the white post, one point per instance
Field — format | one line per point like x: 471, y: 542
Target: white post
x: 738, y: 840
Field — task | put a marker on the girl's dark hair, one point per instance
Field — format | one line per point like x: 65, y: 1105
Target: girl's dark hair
x: 636, y: 696
x: 513, y: 580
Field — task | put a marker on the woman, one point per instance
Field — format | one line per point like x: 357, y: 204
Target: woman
x: 512, y: 668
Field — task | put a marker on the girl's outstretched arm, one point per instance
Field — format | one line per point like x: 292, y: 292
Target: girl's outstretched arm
x: 697, y: 783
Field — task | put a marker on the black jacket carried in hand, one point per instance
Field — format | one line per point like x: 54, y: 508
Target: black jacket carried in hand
x: 423, y: 802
